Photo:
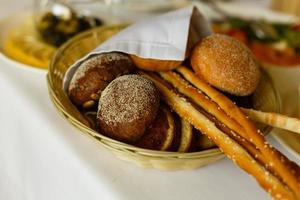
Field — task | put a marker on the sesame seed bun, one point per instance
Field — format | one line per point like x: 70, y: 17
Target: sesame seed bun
x: 227, y: 64
x: 127, y: 106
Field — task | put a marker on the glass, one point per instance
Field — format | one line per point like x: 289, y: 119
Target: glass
x: 58, y: 21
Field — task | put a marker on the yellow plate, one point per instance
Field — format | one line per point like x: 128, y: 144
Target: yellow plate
x: 20, y: 42
x: 265, y: 98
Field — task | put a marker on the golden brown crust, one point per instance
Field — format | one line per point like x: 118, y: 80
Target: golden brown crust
x: 199, y: 98
x: 274, y: 119
x: 231, y: 148
x: 215, y: 114
x: 225, y: 123
x: 226, y: 64
x: 281, y: 165
x: 154, y: 64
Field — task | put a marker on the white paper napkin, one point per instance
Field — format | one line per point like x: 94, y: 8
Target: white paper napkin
x: 165, y: 37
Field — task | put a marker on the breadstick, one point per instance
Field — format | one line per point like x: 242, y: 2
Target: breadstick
x: 201, y: 99
x: 226, y: 104
x: 247, y: 145
x: 224, y: 122
x: 233, y: 150
x: 274, y: 119
x: 282, y: 165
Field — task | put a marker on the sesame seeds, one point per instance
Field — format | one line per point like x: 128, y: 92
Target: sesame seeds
x: 127, y: 98
x: 226, y: 64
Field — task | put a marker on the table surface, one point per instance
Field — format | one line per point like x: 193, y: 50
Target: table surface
x: 43, y: 157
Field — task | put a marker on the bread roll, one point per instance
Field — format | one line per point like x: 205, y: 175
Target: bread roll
x: 154, y: 64
x: 127, y: 106
x: 160, y: 134
x: 94, y: 74
x: 226, y: 64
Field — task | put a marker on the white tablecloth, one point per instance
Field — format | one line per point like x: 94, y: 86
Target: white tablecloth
x: 43, y: 157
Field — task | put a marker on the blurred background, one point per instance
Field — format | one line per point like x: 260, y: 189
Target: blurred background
x: 269, y: 27
x: 33, y: 30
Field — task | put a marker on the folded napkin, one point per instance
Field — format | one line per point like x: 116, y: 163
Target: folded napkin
x: 166, y: 37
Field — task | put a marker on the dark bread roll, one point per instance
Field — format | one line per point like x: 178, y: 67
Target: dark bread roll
x: 127, y: 106
x: 177, y: 138
x: 183, y: 135
x: 94, y: 74
x: 227, y: 64
x: 160, y: 134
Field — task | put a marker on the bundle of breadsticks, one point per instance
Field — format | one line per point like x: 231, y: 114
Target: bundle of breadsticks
x: 191, y: 95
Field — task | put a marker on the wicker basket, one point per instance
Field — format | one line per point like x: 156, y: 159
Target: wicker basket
x: 265, y: 98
